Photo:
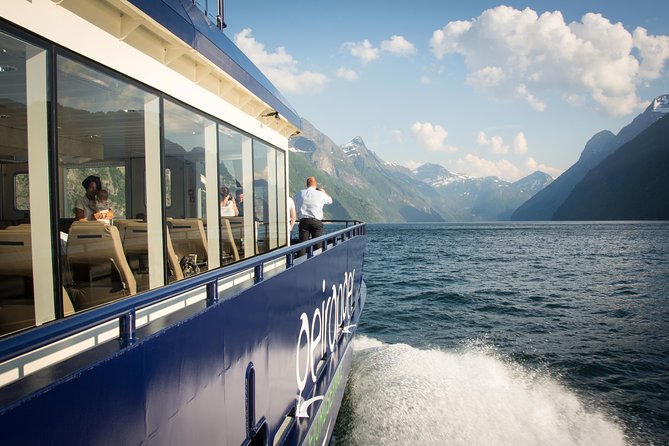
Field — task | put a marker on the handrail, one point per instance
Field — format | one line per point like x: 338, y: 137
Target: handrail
x: 125, y: 309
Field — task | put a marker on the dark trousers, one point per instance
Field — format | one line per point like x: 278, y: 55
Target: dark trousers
x: 309, y: 228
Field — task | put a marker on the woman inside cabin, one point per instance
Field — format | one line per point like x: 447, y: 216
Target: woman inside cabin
x: 86, y: 207
x: 228, y: 205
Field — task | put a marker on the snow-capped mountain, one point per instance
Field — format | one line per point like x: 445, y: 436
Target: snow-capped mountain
x: 437, y: 175
x: 354, y: 147
x: 534, y: 182
x: 545, y: 203
x: 660, y: 104
x: 368, y: 188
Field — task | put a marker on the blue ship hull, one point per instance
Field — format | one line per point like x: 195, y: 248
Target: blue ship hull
x: 236, y: 371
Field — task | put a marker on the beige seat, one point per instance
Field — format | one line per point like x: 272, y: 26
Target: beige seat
x: 176, y: 273
x: 121, y: 224
x: 100, y: 271
x: 188, y: 238
x: 16, y: 252
x: 230, y: 251
x: 237, y: 230
x: 135, y: 241
x: 18, y: 312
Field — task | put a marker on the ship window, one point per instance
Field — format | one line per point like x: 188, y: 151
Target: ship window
x: 235, y: 178
x: 25, y: 239
x: 190, y: 154
x: 282, y: 195
x: 265, y: 197
x: 105, y: 128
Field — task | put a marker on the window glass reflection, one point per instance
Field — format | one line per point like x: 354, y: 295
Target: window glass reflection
x: 101, y: 155
x: 234, y: 170
x: 186, y: 147
x: 23, y: 76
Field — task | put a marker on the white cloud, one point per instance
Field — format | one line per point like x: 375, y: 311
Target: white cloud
x: 432, y: 137
x: 654, y: 53
x: 412, y: 164
x: 364, y: 50
x: 279, y: 66
x: 495, y: 143
x: 398, y: 45
x: 520, y: 144
x: 513, y: 54
x: 397, y: 136
x: 425, y: 80
x: 346, y: 73
x: 532, y: 166
x: 478, y: 166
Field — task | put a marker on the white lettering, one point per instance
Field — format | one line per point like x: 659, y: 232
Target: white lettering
x: 304, y: 328
x: 334, y: 312
x: 315, y: 342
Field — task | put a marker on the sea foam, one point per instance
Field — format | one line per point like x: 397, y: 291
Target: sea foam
x: 401, y: 395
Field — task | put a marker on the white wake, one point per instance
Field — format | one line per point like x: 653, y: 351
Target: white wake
x: 400, y: 395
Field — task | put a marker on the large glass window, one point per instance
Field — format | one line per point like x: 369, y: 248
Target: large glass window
x: 190, y: 154
x: 235, y: 180
x: 282, y: 195
x: 267, y: 196
x: 105, y: 127
x: 135, y: 211
x: 25, y: 233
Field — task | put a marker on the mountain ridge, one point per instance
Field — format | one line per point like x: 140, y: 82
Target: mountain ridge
x: 366, y: 187
x: 543, y: 205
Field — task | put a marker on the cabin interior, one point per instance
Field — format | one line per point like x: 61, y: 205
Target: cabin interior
x: 163, y: 164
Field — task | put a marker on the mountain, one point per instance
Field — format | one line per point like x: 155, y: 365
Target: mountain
x: 365, y: 187
x: 480, y: 199
x: 630, y: 184
x: 534, y: 182
x: 362, y: 185
x: 543, y: 205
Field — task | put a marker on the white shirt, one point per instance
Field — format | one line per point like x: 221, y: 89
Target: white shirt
x: 88, y: 206
x: 291, y: 205
x: 227, y: 210
x: 309, y: 203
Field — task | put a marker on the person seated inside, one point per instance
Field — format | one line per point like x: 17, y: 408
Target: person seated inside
x: 86, y: 207
x: 228, y: 205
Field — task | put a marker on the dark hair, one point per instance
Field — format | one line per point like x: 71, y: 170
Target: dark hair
x: 225, y: 192
x: 92, y: 179
x: 238, y: 192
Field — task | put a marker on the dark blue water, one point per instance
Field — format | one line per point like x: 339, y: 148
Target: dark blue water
x: 503, y: 333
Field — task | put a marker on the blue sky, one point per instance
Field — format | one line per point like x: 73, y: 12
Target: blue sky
x: 477, y: 87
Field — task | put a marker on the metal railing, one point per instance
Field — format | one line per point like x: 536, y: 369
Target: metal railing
x: 214, y: 10
x: 125, y: 310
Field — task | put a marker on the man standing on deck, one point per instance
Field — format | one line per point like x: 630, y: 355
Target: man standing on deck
x: 309, y: 204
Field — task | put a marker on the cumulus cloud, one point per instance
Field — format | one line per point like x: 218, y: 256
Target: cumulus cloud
x: 480, y: 167
x: 363, y: 50
x: 520, y: 144
x: 346, y: 73
x: 412, y: 164
x: 425, y: 80
x: 398, y: 45
x: 513, y: 54
x: 494, y: 143
x: 279, y: 66
x: 532, y: 166
x: 432, y: 137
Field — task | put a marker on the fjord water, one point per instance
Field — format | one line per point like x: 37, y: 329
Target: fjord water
x: 512, y: 333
